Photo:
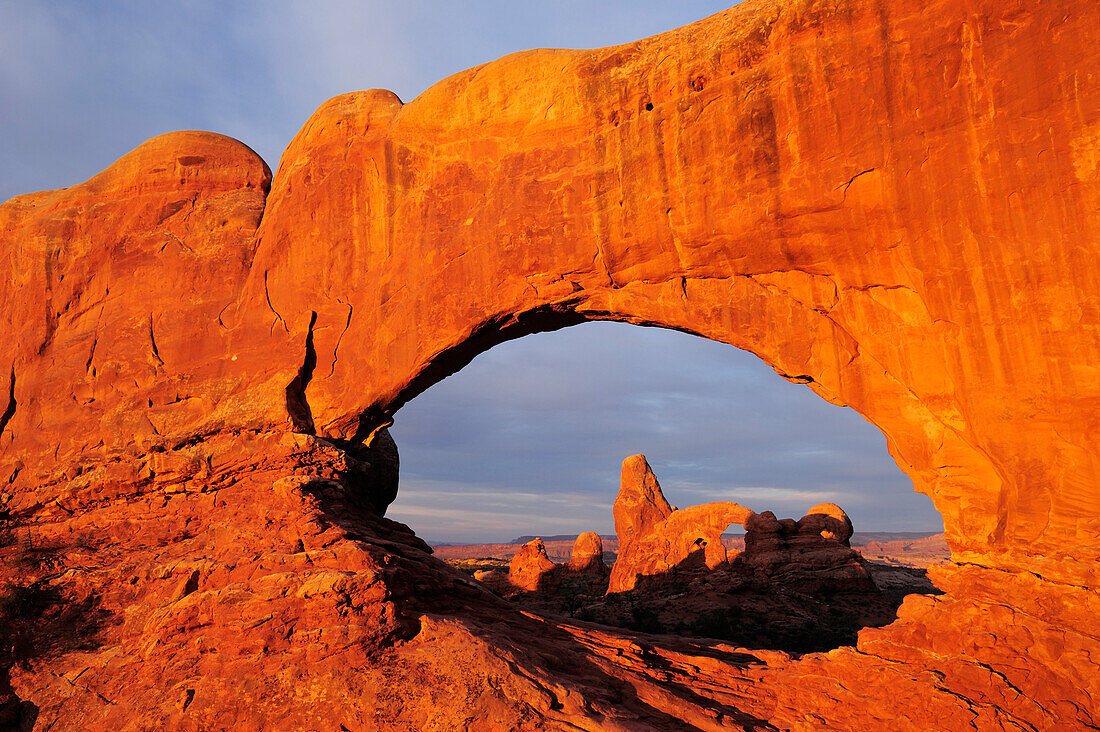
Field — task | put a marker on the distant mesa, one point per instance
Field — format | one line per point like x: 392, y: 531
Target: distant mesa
x: 550, y: 538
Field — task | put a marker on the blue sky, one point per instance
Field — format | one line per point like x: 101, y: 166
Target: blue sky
x: 529, y: 437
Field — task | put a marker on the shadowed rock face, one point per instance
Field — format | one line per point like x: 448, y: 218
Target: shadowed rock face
x: 896, y: 203
x: 811, y: 552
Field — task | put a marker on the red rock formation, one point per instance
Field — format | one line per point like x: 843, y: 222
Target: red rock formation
x: 829, y: 521
x: 813, y: 552
x: 640, y: 504
x: 896, y: 203
x: 531, y: 570
x: 654, y: 537
x: 587, y: 555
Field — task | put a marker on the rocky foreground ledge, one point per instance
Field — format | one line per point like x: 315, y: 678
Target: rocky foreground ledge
x: 895, y: 203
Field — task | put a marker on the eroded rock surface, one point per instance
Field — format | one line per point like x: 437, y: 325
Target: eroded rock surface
x: 896, y: 203
x: 813, y: 552
x: 656, y: 538
x: 798, y: 586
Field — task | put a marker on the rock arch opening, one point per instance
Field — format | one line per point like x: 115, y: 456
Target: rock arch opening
x: 528, y: 439
x: 550, y: 417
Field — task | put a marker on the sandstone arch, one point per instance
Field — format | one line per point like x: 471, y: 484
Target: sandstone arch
x: 782, y: 207
x: 895, y: 203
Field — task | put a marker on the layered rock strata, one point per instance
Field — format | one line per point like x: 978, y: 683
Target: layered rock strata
x: 895, y: 203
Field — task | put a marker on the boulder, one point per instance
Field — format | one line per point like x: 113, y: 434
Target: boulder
x: 531, y: 570
x: 587, y: 555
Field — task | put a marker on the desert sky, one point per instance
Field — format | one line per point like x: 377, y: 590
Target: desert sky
x: 529, y: 437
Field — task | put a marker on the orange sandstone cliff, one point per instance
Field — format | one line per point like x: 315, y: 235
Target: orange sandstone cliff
x: 896, y: 203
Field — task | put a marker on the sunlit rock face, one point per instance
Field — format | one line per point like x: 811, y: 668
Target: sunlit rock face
x: 587, y: 555
x: 531, y: 570
x: 654, y: 537
x: 896, y: 203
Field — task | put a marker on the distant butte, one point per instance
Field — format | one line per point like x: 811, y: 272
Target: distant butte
x: 896, y: 203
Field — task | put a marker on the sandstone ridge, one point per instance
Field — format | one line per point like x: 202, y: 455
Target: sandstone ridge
x: 895, y: 203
